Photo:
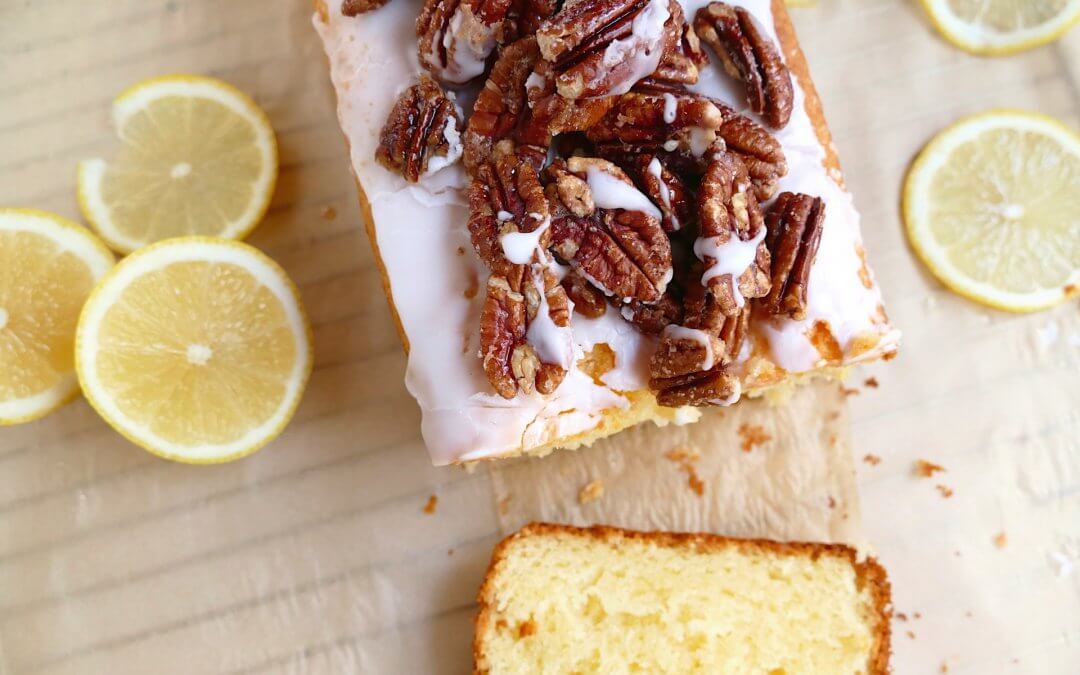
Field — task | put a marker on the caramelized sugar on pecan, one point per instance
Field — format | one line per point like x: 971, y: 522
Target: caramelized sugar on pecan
x: 509, y: 216
x: 588, y: 300
x: 731, y: 240
x: 358, y: 7
x: 682, y: 63
x: 716, y: 387
x: 656, y: 116
x: 501, y: 103
x: 795, y: 224
x: 422, y: 133
x: 619, y: 246
x: 751, y: 56
x: 603, y: 47
x: 704, y: 339
x: 665, y: 188
x: 457, y: 36
x: 756, y: 147
x: 552, y: 114
x: 521, y: 319
x: 653, y: 319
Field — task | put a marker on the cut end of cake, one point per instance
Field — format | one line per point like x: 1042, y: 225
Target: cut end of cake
x: 561, y: 599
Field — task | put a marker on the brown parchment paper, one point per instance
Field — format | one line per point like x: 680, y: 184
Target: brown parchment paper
x: 316, y: 554
x: 754, y: 470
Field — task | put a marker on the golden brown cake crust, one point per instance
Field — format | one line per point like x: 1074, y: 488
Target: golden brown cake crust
x: 868, y: 573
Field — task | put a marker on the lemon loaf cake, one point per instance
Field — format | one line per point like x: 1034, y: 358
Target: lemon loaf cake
x: 560, y: 599
x: 590, y: 214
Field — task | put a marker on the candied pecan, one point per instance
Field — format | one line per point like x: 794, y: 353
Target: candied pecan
x: 666, y: 189
x: 731, y: 240
x: 652, y: 319
x: 756, y: 147
x: 358, y: 7
x: 527, y: 15
x: 588, y: 301
x: 501, y: 102
x: 749, y: 55
x: 422, y: 133
x: 508, y: 212
x: 682, y: 64
x: 794, y: 224
x: 457, y: 36
x: 602, y: 47
x: 552, y: 114
x: 524, y: 339
x: 716, y: 387
x: 620, y: 246
x: 655, y: 116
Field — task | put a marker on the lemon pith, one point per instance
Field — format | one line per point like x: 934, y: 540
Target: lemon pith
x: 48, y: 266
x: 991, y: 207
x: 196, y: 349
x: 198, y: 157
x: 1001, y: 27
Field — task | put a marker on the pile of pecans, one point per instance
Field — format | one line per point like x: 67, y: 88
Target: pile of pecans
x: 599, y: 180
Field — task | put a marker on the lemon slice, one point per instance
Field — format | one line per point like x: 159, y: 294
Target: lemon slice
x: 198, y: 158
x: 996, y: 27
x: 48, y: 265
x: 992, y: 206
x: 196, y: 349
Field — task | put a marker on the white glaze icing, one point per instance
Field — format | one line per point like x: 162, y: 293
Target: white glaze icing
x: 609, y: 192
x: 453, y: 138
x: 733, y: 257
x: 465, y: 58
x: 642, y: 48
x: 420, y: 227
x: 553, y: 344
x: 656, y: 171
x: 671, y: 108
x: 519, y: 247
x: 701, y: 337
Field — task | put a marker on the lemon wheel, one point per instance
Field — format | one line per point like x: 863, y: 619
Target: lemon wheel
x: 992, y: 206
x: 198, y: 157
x: 998, y: 27
x: 196, y: 349
x: 48, y: 266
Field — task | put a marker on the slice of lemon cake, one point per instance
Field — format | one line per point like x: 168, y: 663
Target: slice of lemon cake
x: 560, y: 599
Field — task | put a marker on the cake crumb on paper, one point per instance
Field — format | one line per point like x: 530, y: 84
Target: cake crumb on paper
x: 871, y: 382
x: 910, y: 634
x: 504, y: 505
x: 849, y: 391
x: 927, y: 469
x: 945, y: 491
x: 432, y: 503
x: 592, y: 491
x: 832, y: 502
x: 872, y: 460
x: 752, y: 435
x: 328, y: 213
x: 900, y: 616
x: 685, y: 458
x: 1000, y: 540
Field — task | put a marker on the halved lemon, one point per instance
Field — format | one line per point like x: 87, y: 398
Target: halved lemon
x: 48, y: 266
x: 196, y: 349
x: 992, y: 206
x: 198, y: 158
x: 997, y: 27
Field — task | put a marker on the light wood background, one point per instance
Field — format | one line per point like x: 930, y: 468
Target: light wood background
x: 292, y: 561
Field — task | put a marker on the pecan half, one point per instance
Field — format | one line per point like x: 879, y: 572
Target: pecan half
x: 749, y: 55
x: 602, y: 47
x: 515, y: 355
x: 756, y: 147
x: 457, y: 36
x: 588, y: 300
x: 731, y: 240
x: 665, y: 188
x: 653, y: 319
x: 422, y: 133
x: 682, y: 63
x: 656, y: 116
x: 795, y: 224
x: 705, y: 339
x: 716, y: 387
x: 358, y: 7
x: 619, y: 246
x: 509, y: 216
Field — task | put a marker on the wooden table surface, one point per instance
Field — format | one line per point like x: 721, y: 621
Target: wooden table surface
x: 113, y: 561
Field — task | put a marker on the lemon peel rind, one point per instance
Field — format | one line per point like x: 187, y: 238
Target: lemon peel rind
x: 208, y: 249
x: 98, y: 258
x: 922, y: 171
x: 955, y: 31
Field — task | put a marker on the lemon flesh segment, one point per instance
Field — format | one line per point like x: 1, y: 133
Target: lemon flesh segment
x: 993, y: 207
x: 196, y: 350
x: 197, y: 158
x: 48, y: 267
x: 1002, y: 26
